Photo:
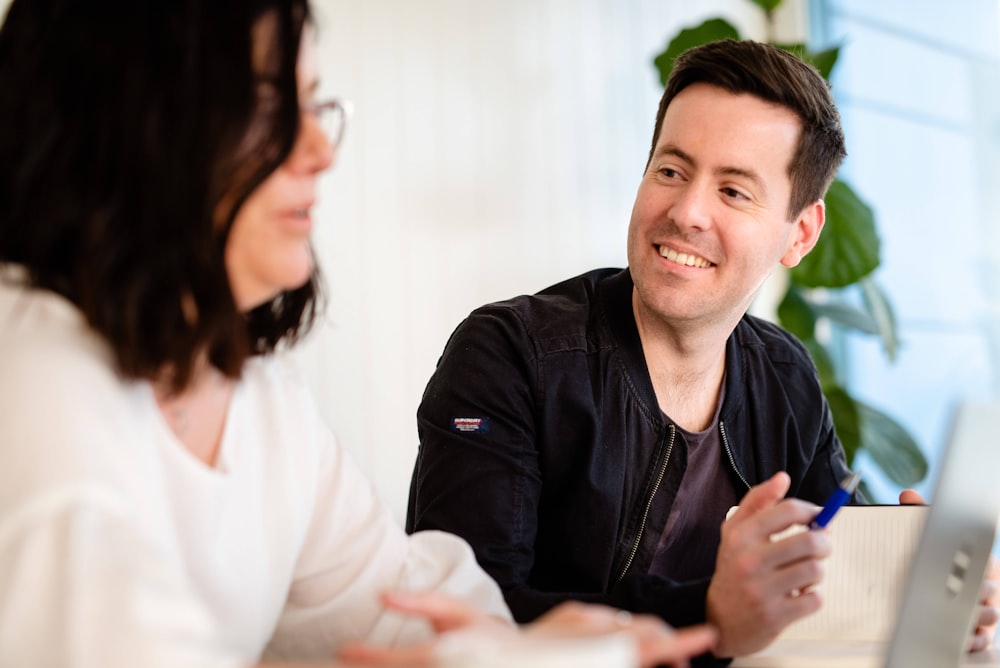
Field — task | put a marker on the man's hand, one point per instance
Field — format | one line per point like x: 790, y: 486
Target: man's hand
x: 761, y: 586
x: 657, y: 643
x: 988, y: 612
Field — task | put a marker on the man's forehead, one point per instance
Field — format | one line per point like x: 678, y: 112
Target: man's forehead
x: 735, y: 132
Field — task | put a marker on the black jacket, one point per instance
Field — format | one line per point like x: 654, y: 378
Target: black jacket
x: 542, y: 444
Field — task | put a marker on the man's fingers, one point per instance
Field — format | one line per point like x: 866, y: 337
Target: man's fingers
x: 797, y: 577
x: 988, y: 592
x: 783, y: 515
x: 991, y: 581
x: 993, y: 567
x: 800, y: 547
x: 980, y: 641
x: 763, y: 496
x: 910, y: 497
x: 765, y: 511
x: 801, y: 604
x: 987, y: 616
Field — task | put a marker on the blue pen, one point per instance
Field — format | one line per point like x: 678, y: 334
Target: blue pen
x: 836, y: 500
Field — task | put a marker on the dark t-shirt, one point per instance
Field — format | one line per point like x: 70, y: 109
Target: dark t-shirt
x: 705, y: 496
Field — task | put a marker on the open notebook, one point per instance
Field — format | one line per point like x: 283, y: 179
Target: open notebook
x: 902, y: 586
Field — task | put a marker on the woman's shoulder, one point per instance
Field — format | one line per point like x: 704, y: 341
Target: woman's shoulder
x: 43, y: 336
x: 67, y: 414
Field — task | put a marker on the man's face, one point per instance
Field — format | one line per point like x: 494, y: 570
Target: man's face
x: 711, y: 220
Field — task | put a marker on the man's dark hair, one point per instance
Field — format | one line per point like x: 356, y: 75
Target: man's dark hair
x: 131, y: 133
x: 776, y: 76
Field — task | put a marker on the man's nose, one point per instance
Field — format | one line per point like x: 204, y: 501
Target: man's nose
x: 692, y: 206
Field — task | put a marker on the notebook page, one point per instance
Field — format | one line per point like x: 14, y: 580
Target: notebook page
x: 865, y: 575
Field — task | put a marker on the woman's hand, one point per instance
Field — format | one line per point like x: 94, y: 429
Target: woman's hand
x: 655, y: 641
x: 444, y: 613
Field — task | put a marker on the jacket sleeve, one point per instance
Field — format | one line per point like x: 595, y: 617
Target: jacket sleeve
x: 828, y: 467
x: 478, y: 472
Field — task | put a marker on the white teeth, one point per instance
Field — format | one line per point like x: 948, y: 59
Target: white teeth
x: 684, y: 258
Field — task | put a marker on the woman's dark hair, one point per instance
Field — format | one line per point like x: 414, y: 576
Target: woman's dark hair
x: 776, y: 76
x: 130, y: 135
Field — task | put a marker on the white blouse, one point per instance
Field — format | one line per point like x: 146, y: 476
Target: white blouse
x: 120, y: 548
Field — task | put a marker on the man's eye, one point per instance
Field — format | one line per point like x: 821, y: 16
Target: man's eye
x: 669, y: 173
x: 732, y: 192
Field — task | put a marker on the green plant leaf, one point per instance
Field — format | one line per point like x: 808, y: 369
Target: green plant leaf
x: 847, y: 316
x: 709, y: 31
x: 846, y: 419
x: 891, y: 447
x: 866, y: 491
x: 877, y: 304
x: 795, y: 314
x: 823, y: 61
x: 767, y: 5
x: 848, y: 248
x: 824, y: 363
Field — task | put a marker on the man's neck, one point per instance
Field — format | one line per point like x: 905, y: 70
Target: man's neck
x: 686, y: 365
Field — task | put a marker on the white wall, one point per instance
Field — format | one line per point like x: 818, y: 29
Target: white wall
x: 495, y: 149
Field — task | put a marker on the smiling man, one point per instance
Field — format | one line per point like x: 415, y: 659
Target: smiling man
x: 618, y: 415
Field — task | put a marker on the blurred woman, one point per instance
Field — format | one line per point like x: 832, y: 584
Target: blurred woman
x: 168, y: 493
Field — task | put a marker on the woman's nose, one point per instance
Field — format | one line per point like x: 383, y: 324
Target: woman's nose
x: 314, y: 150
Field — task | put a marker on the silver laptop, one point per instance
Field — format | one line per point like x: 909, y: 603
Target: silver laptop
x: 941, y: 591
x: 939, y: 603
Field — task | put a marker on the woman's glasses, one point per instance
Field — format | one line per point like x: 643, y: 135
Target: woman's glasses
x: 331, y: 116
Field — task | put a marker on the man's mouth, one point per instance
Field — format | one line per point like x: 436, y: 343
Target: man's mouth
x: 684, y: 258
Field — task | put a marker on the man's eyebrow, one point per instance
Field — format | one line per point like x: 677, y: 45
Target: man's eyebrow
x: 671, y: 149
x: 741, y: 171
x: 744, y: 172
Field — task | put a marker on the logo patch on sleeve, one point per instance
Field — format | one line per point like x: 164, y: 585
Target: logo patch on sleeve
x: 470, y: 425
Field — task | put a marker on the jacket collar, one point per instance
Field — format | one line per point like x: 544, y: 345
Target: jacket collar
x: 615, y: 296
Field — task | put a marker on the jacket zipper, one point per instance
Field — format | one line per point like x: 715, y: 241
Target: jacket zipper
x: 649, y: 504
x: 729, y: 453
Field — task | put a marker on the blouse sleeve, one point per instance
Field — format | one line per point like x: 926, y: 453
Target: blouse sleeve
x: 82, y: 586
x: 353, y: 551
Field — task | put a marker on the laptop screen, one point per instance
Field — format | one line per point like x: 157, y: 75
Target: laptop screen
x: 942, y: 590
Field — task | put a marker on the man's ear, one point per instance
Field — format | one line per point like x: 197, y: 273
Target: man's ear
x: 808, y: 225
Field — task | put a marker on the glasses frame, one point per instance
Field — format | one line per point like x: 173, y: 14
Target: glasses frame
x: 334, y: 108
